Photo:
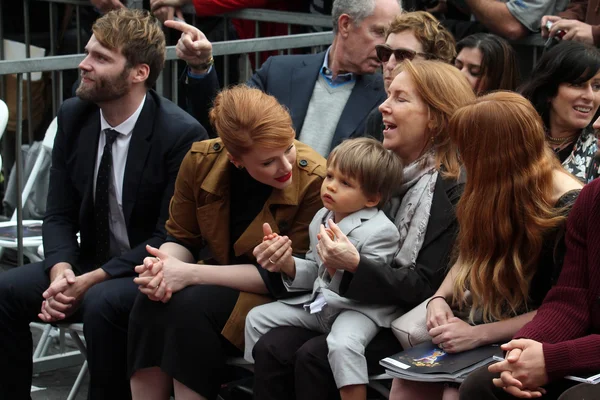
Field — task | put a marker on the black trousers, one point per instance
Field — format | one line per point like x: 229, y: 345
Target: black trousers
x: 479, y: 386
x: 183, y: 337
x: 104, y: 312
x: 291, y: 363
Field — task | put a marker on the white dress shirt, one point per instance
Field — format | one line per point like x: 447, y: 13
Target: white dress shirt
x: 119, y: 240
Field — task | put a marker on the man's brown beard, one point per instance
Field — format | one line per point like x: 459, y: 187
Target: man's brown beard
x: 104, y: 89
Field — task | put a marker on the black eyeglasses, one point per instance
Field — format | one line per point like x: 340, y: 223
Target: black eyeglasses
x: 384, y: 52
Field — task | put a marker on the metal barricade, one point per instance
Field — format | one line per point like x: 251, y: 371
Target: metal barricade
x: 55, y: 65
x: 60, y: 63
x: 167, y: 83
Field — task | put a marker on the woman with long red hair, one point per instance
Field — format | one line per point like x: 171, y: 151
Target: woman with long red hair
x: 511, y: 215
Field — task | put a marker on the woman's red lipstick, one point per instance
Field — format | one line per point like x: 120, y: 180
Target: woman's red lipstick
x: 285, y: 177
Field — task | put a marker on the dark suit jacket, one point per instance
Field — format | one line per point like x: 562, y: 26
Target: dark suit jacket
x: 162, y: 136
x: 374, y: 125
x: 291, y: 79
x: 407, y: 287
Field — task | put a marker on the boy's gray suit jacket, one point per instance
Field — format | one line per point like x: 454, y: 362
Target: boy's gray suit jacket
x: 374, y: 236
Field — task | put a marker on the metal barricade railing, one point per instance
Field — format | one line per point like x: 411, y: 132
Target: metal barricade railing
x: 60, y: 63
x: 258, y: 15
x: 57, y: 64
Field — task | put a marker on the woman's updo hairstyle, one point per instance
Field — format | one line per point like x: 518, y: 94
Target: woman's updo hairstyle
x: 246, y: 118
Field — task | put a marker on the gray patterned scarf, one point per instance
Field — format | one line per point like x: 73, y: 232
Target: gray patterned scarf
x: 411, y: 207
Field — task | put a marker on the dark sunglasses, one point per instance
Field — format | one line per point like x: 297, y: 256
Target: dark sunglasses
x: 384, y: 52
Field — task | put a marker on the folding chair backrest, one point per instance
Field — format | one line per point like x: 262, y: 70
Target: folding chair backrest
x: 3, y: 117
x: 48, y: 143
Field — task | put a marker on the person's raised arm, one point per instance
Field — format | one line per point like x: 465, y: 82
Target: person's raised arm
x: 200, y: 81
x: 192, y: 47
x: 105, y: 6
x: 576, y: 9
x: 495, y: 15
x: 166, y: 10
x: 571, y: 30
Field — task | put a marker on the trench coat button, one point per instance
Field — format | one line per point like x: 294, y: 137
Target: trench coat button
x: 303, y: 163
x: 216, y: 146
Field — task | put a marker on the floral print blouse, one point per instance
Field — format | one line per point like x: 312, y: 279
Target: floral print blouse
x: 584, y: 162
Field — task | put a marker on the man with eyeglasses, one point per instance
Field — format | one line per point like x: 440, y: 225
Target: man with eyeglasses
x: 329, y: 94
x: 413, y: 35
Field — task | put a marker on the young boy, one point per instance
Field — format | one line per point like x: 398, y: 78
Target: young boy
x: 361, y: 175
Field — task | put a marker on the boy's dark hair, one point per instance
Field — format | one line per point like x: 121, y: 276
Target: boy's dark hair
x: 376, y: 170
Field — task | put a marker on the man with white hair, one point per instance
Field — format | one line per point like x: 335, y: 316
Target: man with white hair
x: 329, y: 94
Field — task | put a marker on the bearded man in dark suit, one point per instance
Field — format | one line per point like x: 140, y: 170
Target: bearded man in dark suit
x: 114, y: 163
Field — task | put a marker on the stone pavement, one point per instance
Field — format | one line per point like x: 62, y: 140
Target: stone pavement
x: 56, y: 385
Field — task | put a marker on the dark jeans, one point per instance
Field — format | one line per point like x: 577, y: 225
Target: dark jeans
x: 104, y: 311
x: 291, y: 363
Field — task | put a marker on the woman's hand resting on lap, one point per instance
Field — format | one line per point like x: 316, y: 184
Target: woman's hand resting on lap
x: 438, y: 313
x: 452, y: 334
x: 455, y: 336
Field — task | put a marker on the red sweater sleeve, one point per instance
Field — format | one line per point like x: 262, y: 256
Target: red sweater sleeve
x: 572, y: 357
x: 564, y: 323
x: 206, y: 8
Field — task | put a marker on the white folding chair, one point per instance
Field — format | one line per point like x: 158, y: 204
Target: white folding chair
x: 76, y: 332
x: 31, y: 245
x: 3, y: 122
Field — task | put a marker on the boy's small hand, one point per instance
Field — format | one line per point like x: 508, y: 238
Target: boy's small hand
x: 337, y: 253
x: 330, y: 233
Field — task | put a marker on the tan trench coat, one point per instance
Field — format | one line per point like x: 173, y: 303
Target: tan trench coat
x: 199, y: 213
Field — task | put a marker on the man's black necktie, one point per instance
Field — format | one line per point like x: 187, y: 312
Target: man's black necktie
x: 101, y: 207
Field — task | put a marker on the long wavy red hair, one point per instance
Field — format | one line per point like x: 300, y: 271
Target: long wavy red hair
x: 507, y: 205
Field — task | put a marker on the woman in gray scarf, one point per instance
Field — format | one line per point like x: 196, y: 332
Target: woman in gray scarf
x: 421, y: 100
